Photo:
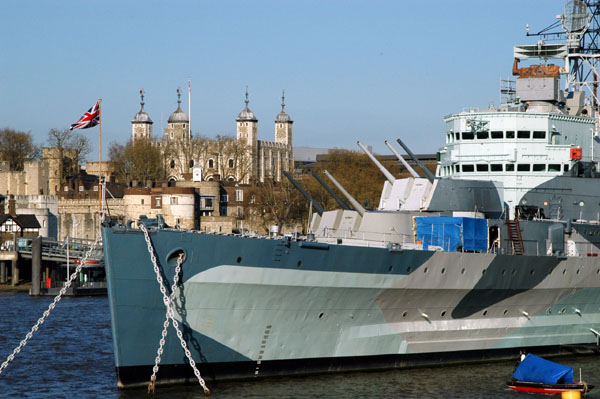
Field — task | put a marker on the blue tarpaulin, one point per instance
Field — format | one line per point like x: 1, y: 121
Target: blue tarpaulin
x: 452, y: 233
x: 535, y: 369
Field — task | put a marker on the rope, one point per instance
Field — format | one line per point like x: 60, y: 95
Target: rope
x: 170, y: 314
x: 50, y: 308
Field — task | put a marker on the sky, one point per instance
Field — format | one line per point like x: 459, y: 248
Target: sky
x: 352, y: 70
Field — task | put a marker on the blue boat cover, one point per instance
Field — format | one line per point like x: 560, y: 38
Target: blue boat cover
x: 535, y: 369
x: 452, y: 233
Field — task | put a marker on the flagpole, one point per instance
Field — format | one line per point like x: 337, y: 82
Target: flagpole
x: 100, y: 155
x: 190, y: 107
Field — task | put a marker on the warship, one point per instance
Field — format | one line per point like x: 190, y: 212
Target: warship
x: 495, y: 253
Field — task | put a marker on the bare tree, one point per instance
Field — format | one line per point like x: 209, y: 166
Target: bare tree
x: 16, y: 148
x: 138, y: 160
x: 72, y: 148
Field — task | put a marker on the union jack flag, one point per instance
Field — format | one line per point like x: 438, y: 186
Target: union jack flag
x: 90, y: 119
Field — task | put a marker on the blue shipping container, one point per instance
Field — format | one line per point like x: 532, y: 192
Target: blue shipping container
x: 452, y: 233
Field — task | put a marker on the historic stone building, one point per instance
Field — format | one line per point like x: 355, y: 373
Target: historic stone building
x: 243, y: 159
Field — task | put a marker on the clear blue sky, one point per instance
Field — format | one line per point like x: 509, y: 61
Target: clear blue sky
x: 352, y: 70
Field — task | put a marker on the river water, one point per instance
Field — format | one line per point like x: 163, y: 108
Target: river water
x: 71, y: 356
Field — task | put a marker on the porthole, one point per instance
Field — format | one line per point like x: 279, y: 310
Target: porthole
x: 564, y: 271
x: 550, y: 271
x: 503, y: 272
x: 321, y: 315
x: 425, y: 270
x: 549, y: 311
x: 462, y: 271
x: 404, y: 314
x: 299, y: 263
x: 443, y: 270
x: 505, y: 312
x: 577, y: 272
x: 483, y: 271
x: 598, y: 271
x: 485, y: 312
x: 390, y: 268
x: 531, y: 272
x: 563, y: 310
x: 239, y: 259
x: 408, y: 269
x: 514, y: 271
x: 443, y: 313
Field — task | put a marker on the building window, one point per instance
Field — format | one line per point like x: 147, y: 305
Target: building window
x: 553, y: 167
x: 191, y: 163
x: 80, y: 188
x: 158, y: 201
x: 523, y: 134
x: 240, y: 212
x: 142, y: 201
x: 239, y: 195
x: 211, y: 163
x: 230, y: 163
x: 224, y: 198
x: 172, y: 164
x: 174, y: 200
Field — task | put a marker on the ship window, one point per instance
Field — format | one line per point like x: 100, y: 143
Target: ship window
x: 565, y: 168
x: 468, y: 135
x: 539, y: 135
x: 510, y: 134
x: 457, y: 168
x: 553, y: 167
x: 496, y: 167
x: 483, y: 167
x: 468, y: 168
x: 510, y: 167
x: 497, y: 134
x: 523, y: 134
x: 539, y: 167
x: 523, y: 167
x: 482, y: 135
x: 457, y: 136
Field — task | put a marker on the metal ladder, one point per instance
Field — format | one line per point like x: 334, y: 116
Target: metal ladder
x: 514, y: 233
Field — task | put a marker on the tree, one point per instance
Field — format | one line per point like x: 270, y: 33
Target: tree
x: 16, y: 148
x: 137, y: 160
x: 277, y: 204
x: 72, y: 148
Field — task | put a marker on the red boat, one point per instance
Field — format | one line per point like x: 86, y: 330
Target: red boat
x: 538, y: 387
x: 534, y: 374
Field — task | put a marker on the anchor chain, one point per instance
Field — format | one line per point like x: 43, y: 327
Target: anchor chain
x: 50, y: 308
x: 170, y: 314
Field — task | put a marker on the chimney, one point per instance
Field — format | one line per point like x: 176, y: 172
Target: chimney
x: 12, y: 209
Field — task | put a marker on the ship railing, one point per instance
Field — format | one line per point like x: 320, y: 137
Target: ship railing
x: 74, y: 284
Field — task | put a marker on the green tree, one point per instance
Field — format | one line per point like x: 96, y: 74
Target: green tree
x: 16, y: 148
x: 138, y: 160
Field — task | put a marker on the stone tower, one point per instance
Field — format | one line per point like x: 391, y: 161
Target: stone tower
x: 283, y: 125
x: 178, y: 124
x: 141, y: 124
x: 247, y: 134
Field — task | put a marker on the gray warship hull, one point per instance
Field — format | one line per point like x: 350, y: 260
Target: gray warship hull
x: 253, y: 307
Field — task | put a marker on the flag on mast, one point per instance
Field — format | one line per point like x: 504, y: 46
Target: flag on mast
x: 90, y: 119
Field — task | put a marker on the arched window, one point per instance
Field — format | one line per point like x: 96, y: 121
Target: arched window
x: 172, y: 164
x: 230, y: 162
x: 191, y: 163
x: 231, y: 178
x: 211, y: 163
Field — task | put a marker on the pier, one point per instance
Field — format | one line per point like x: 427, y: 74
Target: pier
x: 48, y: 264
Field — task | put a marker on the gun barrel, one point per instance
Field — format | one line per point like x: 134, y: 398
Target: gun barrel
x: 318, y: 207
x: 427, y: 172
x: 383, y: 170
x: 351, y: 199
x: 403, y: 161
x: 336, y: 197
